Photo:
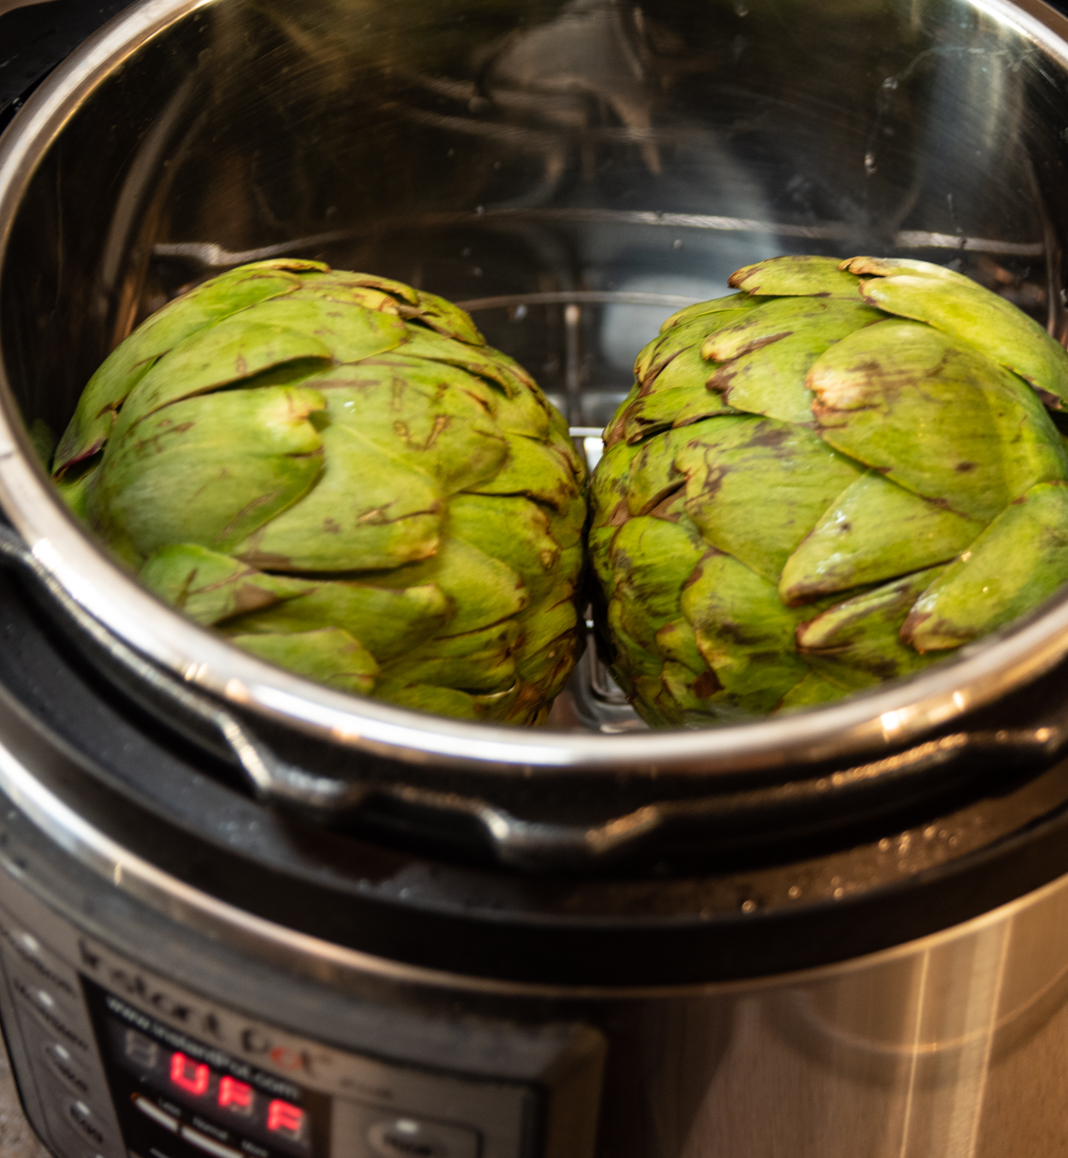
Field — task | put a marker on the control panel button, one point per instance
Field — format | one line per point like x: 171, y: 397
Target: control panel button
x: 158, y: 1115
x: 64, y: 1065
x: 45, y: 1008
x: 209, y: 1145
x: 414, y: 1138
x: 86, y: 1123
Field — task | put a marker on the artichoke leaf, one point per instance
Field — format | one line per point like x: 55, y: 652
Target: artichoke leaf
x: 439, y: 701
x: 228, y: 354
x: 515, y: 530
x: 445, y: 318
x: 173, y: 478
x: 971, y: 313
x: 857, y: 642
x: 936, y: 417
x: 781, y: 318
x: 367, y: 511
x: 653, y: 473
x: 210, y: 587
x: 815, y: 689
x: 416, y: 413
x: 329, y: 655
x: 739, y: 303
x: 652, y: 559
x: 611, y: 481
x: 544, y: 629
x: 349, y: 331
x: 537, y: 470
x: 482, y: 591
x: 874, y: 531
x: 744, y: 633
x: 195, y: 310
x: 397, y: 290
x: 477, y: 661
x: 490, y: 365
x: 1019, y: 561
x: 677, y: 406
x: 76, y: 487
x: 771, y: 380
x: 528, y: 414
x: 388, y: 621
x: 679, y: 341
x: 600, y: 545
x: 634, y: 659
x: 798, y: 275
x: 742, y: 465
x: 613, y: 432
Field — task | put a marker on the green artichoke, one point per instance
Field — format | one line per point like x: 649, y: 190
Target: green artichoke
x: 335, y: 471
x: 825, y: 481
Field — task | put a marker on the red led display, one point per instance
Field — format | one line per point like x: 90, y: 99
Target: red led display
x: 190, y: 1076
x: 236, y: 1096
x: 282, y: 1118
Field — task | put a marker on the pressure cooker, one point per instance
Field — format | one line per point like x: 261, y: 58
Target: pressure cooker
x: 242, y: 914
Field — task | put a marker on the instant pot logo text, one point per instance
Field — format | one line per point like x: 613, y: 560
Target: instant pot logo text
x: 259, y: 1044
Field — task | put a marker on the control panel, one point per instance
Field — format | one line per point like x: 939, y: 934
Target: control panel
x: 114, y: 1062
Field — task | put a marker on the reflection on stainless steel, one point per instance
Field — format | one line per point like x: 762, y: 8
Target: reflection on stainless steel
x: 675, y: 142
x: 11, y: 5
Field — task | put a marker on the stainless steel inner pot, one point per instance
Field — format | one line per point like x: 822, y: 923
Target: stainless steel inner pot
x: 570, y: 170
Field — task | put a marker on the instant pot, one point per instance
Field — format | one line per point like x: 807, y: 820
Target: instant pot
x: 244, y: 915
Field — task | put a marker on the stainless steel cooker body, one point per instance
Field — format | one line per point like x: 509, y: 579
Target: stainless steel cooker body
x: 132, y: 987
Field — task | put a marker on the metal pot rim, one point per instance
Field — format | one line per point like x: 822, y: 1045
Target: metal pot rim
x: 895, y: 715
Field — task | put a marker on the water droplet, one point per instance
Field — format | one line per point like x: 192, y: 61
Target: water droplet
x: 748, y: 906
x: 869, y: 164
x: 884, y: 844
x: 890, y: 83
x: 741, y: 8
x: 929, y: 832
x: 677, y: 243
x: 838, y: 894
x: 794, y: 891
